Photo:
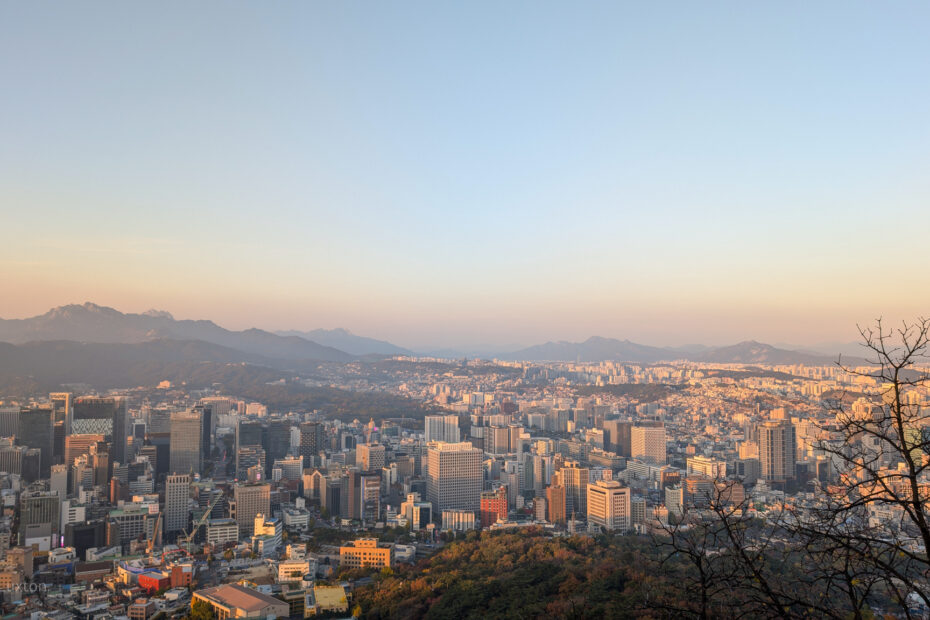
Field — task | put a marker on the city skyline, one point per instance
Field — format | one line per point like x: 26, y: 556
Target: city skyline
x: 485, y: 175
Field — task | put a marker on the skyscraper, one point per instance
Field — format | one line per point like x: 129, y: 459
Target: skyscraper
x: 61, y: 405
x: 617, y: 437
x: 207, y: 428
x: 575, y: 479
x: 248, y: 501
x: 177, y: 494
x: 36, y: 430
x: 555, y: 503
x: 370, y: 457
x: 778, y: 450
x: 311, y: 442
x: 39, y: 519
x: 455, y: 477
x: 186, y: 442
x: 248, y: 442
x: 609, y: 505
x: 647, y: 442
x: 105, y: 416
x: 442, y: 428
x: 276, y: 439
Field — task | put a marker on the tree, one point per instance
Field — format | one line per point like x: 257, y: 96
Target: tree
x: 860, y: 538
x: 201, y: 610
x: 873, y: 511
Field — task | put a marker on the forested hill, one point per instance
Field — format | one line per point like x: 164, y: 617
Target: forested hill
x: 527, y: 574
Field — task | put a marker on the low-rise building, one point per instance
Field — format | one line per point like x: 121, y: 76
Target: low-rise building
x: 235, y: 601
x: 366, y: 552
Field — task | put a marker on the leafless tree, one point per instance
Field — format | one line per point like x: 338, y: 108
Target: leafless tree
x: 860, y: 538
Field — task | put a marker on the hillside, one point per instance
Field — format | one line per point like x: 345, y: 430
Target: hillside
x: 91, y: 323
x: 344, y: 340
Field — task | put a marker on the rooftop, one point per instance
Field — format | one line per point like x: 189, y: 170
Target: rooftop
x: 232, y: 595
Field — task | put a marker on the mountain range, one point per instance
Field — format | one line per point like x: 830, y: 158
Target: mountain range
x: 597, y: 349
x: 344, y: 340
x: 105, y: 347
x: 99, y: 324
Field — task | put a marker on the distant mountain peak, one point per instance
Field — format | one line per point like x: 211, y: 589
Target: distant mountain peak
x: 158, y: 314
x: 93, y: 323
x: 88, y: 307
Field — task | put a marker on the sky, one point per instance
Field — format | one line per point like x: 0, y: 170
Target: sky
x: 471, y: 174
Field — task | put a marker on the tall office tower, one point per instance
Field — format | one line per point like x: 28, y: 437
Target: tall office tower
x: 647, y: 442
x: 221, y: 405
x: 9, y: 421
x: 39, y: 519
x: 542, y: 472
x: 58, y: 482
x: 250, y: 458
x: 575, y: 479
x: 364, y: 496
x: 493, y: 506
x: 207, y: 429
x: 370, y: 457
x: 248, y: 501
x: 609, y: 505
x: 617, y: 437
x: 497, y: 440
x: 778, y: 450
x: 150, y: 452
x: 61, y: 405
x: 186, y: 443
x: 555, y: 503
x: 276, y: 439
x: 76, y: 445
x: 177, y: 495
x: 99, y: 460
x: 32, y: 465
x: 311, y: 442
x: 105, y: 416
x: 455, y: 477
x: 292, y: 468
x: 516, y: 438
x: 334, y: 496
x: 370, y: 498
x: 248, y: 438
x: 11, y: 457
x: 158, y: 422
x: 442, y: 428
x: 36, y: 430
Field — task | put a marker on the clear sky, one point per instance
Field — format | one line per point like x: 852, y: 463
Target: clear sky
x: 440, y: 174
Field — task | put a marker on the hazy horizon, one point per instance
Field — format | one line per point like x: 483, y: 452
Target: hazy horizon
x: 500, y: 347
x: 461, y: 175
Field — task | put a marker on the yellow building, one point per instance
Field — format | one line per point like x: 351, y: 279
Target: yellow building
x: 366, y: 552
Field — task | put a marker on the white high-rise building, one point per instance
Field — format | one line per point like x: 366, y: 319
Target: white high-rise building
x: 778, y: 451
x: 609, y: 505
x: 442, y: 428
x: 177, y: 495
x: 647, y: 442
x: 456, y: 476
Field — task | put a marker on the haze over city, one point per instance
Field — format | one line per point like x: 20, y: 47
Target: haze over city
x: 484, y: 174
x: 526, y: 309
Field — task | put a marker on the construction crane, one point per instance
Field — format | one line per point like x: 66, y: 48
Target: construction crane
x: 154, y: 537
x: 190, y: 536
